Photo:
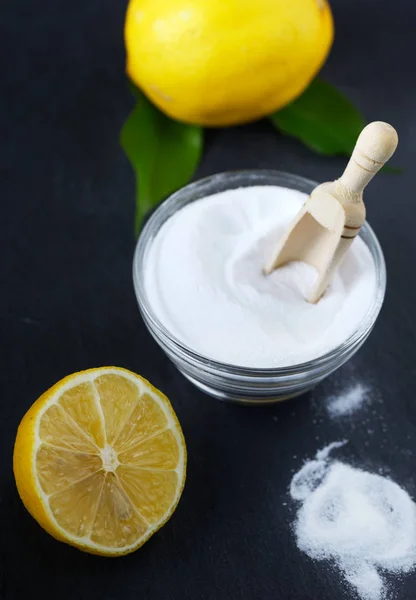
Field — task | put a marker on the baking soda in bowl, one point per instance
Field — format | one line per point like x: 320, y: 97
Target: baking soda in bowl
x: 204, y: 280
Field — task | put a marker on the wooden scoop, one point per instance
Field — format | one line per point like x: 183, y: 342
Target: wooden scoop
x: 328, y: 222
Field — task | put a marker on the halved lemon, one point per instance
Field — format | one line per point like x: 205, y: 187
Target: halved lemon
x: 100, y: 460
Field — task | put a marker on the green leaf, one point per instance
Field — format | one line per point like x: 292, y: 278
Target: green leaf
x: 392, y: 170
x: 323, y: 119
x: 164, y: 154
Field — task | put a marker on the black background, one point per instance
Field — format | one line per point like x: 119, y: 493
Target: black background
x: 67, y: 303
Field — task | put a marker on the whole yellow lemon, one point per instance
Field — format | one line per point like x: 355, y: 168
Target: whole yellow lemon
x: 223, y: 62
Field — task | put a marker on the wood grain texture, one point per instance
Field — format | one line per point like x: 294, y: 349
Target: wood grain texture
x: 67, y: 303
x: 324, y: 228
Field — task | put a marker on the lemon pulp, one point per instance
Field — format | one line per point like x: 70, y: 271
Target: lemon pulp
x: 108, y: 460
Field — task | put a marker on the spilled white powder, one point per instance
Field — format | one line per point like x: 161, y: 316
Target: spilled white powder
x: 349, y: 401
x: 204, y: 279
x: 363, y: 523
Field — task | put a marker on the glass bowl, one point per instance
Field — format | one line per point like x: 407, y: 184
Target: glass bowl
x: 230, y: 382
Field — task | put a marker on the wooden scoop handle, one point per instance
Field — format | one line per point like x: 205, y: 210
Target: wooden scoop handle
x: 375, y: 145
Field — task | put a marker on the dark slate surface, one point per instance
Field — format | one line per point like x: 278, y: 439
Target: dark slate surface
x: 67, y: 303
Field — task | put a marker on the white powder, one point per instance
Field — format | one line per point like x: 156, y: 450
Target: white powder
x: 348, y: 402
x: 363, y: 523
x: 204, y: 279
